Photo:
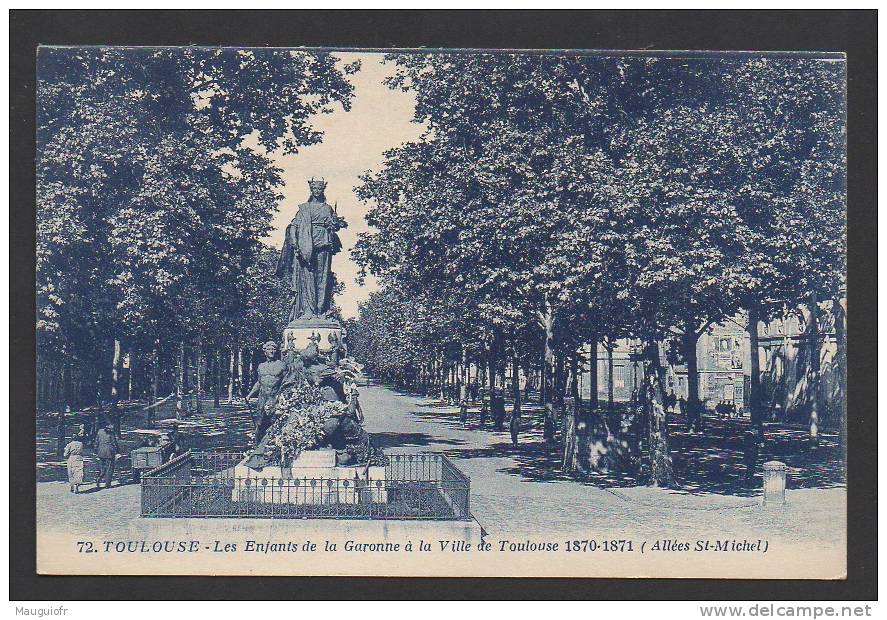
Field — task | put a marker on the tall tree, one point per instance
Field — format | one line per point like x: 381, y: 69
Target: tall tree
x: 151, y: 204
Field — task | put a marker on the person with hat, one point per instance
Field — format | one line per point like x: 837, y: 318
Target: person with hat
x: 106, y: 449
x: 173, y: 445
x: 267, y: 386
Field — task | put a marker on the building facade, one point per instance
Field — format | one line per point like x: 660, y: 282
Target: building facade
x: 793, y: 350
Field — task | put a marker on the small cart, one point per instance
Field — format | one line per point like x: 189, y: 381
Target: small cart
x: 145, y: 459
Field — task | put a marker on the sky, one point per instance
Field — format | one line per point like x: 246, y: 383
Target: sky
x: 353, y: 143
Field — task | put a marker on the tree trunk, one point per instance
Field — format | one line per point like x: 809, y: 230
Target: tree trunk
x: 441, y: 377
x: 200, y: 371
x: 515, y: 385
x: 694, y: 405
x: 661, y: 471
x: 839, y: 403
x: 571, y: 456
x: 132, y: 367
x: 429, y: 377
x: 217, y: 376
x: 592, y: 376
x: 115, y: 387
x: 463, y: 392
x: 98, y: 388
x: 548, y: 357
x: 528, y: 382
x: 180, y: 379
x: 99, y: 404
x: 574, y: 378
x: 64, y: 409
x: 241, y: 372
x: 813, y: 342
x: 610, y: 346
x: 442, y: 371
x: 492, y: 361
x: 245, y: 385
x: 543, y: 383
x: 231, y: 362
x: 560, y: 380
x: 155, y: 381
x: 754, y: 383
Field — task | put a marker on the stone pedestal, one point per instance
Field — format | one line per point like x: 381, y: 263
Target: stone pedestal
x: 313, y: 479
x: 774, y: 482
x: 297, y: 335
x: 316, y: 458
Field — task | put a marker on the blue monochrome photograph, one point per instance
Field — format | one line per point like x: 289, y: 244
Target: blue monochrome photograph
x: 441, y: 313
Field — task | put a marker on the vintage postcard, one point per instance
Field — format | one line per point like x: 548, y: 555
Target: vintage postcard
x: 441, y: 313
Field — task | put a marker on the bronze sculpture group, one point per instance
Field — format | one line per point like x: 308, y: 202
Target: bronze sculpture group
x: 312, y: 377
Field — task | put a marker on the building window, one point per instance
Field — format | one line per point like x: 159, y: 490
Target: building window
x: 619, y: 376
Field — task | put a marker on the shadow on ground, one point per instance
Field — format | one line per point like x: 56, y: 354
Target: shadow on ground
x: 227, y: 427
x: 395, y: 440
x: 709, y: 462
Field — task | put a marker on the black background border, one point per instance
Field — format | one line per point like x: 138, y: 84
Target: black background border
x: 853, y: 32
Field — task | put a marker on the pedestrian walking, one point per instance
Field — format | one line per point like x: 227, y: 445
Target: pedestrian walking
x: 475, y: 390
x: 463, y: 411
x: 354, y: 409
x: 74, y: 457
x: 670, y: 401
x: 484, y: 412
x: 106, y: 449
x: 497, y: 406
x: 514, y: 427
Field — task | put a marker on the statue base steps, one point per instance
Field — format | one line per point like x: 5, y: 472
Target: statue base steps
x: 313, y: 479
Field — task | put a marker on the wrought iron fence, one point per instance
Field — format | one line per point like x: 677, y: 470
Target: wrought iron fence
x: 206, y: 484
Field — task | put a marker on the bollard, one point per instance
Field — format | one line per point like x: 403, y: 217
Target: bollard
x: 774, y: 482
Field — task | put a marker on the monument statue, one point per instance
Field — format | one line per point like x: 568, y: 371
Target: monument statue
x: 301, y: 400
x: 270, y: 373
x: 302, y: 404
x: 306, y: 256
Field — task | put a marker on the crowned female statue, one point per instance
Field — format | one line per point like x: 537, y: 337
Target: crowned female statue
x: 306, y: 256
